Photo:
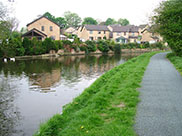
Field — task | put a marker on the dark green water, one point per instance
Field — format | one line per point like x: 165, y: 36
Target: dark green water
x: 33, y: 90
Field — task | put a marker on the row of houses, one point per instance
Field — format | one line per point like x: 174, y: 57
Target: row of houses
x: 44, y: 27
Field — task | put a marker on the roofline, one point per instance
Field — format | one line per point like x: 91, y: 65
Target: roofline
x: 96, y: 29
x: 40, y: 18
x: 36, y: 30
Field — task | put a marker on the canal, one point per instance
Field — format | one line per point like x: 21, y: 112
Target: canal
x: 33, y: 90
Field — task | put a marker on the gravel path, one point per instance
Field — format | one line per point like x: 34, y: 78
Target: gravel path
x: 160, y: 110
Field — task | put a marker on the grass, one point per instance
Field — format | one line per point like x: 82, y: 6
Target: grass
x: 176, y: 60
x: 106, y: 108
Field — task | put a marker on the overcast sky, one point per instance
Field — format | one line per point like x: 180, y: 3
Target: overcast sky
x: 136, y: 11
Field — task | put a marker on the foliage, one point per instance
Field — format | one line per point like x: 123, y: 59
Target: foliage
x: 89, y: 21
x: 167, y: 22
x: 72, y: 19
x: 110, y: 21
x: 58, y: 44
x: 59, y: 20
x: 107, y: 107
x: 103, y: 46
x: 49, y: 44
x: 27, y: 45
x: 91, y: 46
x: 176, y: 60
x: 117, y: 49
x: 123, y: 22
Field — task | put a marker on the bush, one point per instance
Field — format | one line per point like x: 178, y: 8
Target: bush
x: 103, y: 46
x: 27, y: 45
x: 91, y: 46
x: 59, y: 44
x: 117, y: 49
x: 49, y: 44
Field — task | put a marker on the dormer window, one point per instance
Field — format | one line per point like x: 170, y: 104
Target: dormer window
x: 51, y: 28
x: 42, y: 28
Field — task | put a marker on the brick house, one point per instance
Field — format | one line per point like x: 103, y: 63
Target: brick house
x: 93, y: 32
x: 42, y: 28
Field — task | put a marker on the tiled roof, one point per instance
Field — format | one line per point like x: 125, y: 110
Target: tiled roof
x: 96, y: 27
x: 128, y: 28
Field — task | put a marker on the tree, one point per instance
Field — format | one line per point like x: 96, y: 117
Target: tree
x: 123, y: 22
x: 89, y: 21
x: 59, y: 20
x: 167, y: 22
x: 72, y: 19
x: 110, y: 21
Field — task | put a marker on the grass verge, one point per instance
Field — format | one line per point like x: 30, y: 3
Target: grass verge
x: 106, y: 108
x: 176, y: 60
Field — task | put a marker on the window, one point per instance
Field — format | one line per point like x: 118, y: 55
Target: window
x: 99, y: 32
x: 104, y: 32
x: 99, y: 38
x: 133, y: 34
x: 51, y: 28
x: 118, y: 34
x: 91, y: 38
x: 91, y: 32
x: 42, y: 28
x: 124, y: 33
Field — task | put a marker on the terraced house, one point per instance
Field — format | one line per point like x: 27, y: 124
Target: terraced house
x: 93, y: 32
x: 124, y: 34
x: 42, y: 28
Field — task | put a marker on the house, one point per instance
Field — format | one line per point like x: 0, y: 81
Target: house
x: 71, y: 30
x: 149, y: 36
x: 93, y: 32
x: 126, y: 34
x: 42, y: 28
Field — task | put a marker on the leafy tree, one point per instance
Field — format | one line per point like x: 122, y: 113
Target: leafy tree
x: 89, y: 21
x: 72, y: 19
x: 167, y: 21
x: 110, y: 21
x: 59, y: 20
x: 123, y: 22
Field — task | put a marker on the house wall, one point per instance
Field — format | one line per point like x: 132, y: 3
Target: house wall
x: 46, y: 23
x: 83, y: 34
x: 86, y: 35
x: 146, y: 37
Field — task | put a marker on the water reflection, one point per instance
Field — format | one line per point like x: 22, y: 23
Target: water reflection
x: 33, y: 90
x: 9, y: 114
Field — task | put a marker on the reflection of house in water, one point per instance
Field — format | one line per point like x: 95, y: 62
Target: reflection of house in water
x: 45, y: 81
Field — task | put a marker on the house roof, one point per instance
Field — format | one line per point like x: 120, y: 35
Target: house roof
x: 97, y: 27
x: 34, y: 30
x: 128, y: 28
x: 41, y: 18
x: 142, y: 26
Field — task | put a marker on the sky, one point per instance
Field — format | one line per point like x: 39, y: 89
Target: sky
x: 136, y: 11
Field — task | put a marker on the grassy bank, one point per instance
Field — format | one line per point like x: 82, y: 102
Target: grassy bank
x: 106, y: 108
x: 176, y: 60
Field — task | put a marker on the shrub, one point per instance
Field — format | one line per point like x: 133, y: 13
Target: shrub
x: 59, y: 44
x: 91, y: 46
x: 103, y: 46
x: 49, y: 44
x: 117, y: 49
x: 27, y: 45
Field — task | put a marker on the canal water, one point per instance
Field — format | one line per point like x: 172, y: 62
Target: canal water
x: 33, y: 90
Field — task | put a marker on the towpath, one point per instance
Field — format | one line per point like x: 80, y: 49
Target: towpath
x: 160, y: 110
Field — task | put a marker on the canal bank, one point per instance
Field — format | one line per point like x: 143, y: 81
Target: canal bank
x: 73, y: 53
x: 107, y: 107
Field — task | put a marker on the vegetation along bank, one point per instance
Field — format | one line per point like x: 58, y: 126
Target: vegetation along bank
x: 176, y: 60
x: 106, y: 108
